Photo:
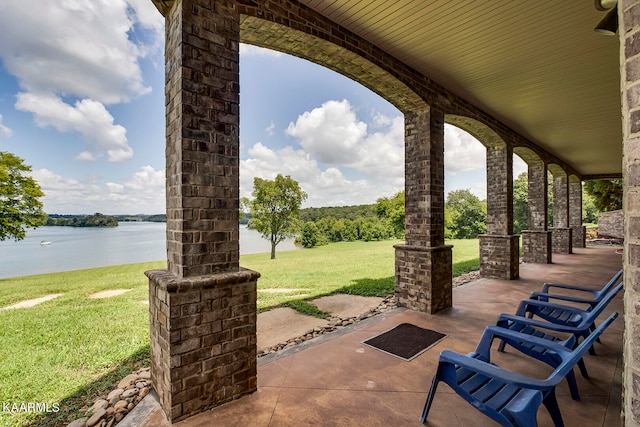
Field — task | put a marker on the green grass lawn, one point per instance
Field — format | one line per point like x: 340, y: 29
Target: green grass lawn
x: 71, y: 349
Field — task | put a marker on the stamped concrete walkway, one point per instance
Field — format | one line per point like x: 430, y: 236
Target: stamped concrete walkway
x: 281, y: 324
x: 335, y: 380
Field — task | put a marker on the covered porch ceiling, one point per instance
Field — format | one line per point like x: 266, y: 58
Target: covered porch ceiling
x: 539, y: 67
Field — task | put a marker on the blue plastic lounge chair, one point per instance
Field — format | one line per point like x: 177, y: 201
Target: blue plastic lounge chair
x: 597, y: 295
x: 507, y: 397
x: 559, y: 318
x: 576, y: 322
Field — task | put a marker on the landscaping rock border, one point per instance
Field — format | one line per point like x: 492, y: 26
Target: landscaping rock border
x: 110, y: 410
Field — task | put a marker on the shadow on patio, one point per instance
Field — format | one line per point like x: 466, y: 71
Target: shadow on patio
x: 337, y: 381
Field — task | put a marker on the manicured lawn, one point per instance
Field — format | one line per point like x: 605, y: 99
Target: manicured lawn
x: 72, y: 348
x: 347, y: 267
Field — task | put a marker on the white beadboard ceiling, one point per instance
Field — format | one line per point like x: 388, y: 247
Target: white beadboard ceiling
x: 536, y: 65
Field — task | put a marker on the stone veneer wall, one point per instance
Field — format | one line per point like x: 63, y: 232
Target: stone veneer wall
x: 203, y: 340
x: 611, y: 224
x: 629, y: 33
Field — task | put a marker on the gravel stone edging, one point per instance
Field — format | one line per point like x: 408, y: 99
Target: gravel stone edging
x: 109, y: 411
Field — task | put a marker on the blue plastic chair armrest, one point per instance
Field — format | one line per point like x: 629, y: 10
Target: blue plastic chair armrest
x: 522, y: 308
x: 503, y: 318
x: 546, y: 286
x: 493, y: 371
x: 541, y: 296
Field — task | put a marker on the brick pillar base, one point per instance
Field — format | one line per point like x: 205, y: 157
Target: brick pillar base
x: 423, y: 277
x: 203, y: 339
x: 536, y: 246
x: 579, y: 236
x: 499, y: 256
x: 561, y: 240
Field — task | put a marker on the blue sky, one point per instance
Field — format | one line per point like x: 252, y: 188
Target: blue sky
x: 82, y: 102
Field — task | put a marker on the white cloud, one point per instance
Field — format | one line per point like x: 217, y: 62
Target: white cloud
x: 88, y: 117
x: 325, y: 187
x: 143, y: 192
x: 331, y: 133
x: 87, y: 51
x: 4, y: 130
x: 73, y: 48
x: 270, y: 129
x: 462, y: 152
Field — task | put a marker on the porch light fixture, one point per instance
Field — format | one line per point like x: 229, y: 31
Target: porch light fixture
x: 609, y: 24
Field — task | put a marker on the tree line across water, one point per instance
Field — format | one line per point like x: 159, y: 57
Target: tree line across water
x: 275, y: 211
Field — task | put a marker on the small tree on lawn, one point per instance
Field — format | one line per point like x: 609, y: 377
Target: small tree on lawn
x: 275, y: 208
x: 20, y: 204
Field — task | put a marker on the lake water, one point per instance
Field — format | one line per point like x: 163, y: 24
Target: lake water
x: 76, y: 248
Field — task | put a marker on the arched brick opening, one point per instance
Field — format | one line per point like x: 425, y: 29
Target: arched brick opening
x: 424, y: 261
x: 272, y: 35
x: 499, y: 248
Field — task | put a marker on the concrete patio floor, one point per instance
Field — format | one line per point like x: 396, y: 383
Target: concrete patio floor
x: 335, y: 380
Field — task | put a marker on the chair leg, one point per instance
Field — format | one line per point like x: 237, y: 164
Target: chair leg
x: 592, y: 349
x: 573, y: 386
x: 583, y: 369
x: 551, y: 404
x: 501, y: 346
x: 432, y: 393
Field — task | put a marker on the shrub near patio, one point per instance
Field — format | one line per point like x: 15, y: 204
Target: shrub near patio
x: 72, y: 349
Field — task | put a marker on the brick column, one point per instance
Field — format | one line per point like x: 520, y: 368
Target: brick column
x: 423, y: 264
x: 536, y: 240
x: 203, y: 308
x: 499, y: 248
x: 578, y: 231
x: 561, y: 233
x: 629, y: 30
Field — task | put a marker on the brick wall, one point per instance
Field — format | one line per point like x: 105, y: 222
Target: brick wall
x: 561, y: 241
x: 560, y: 200
x: 203, y: 339
x: 500, y: 190
x: 499, y: 256
x: 202, y: 96
x: 424, y: 177
x: 423, y: 265
x: 423, y: 277
x: 536, y: 246
x: 537, y: 188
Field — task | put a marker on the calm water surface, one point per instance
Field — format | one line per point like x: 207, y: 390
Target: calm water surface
x: 76, y: 248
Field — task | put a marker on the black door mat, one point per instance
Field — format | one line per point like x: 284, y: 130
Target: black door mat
x: 405, y: 341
